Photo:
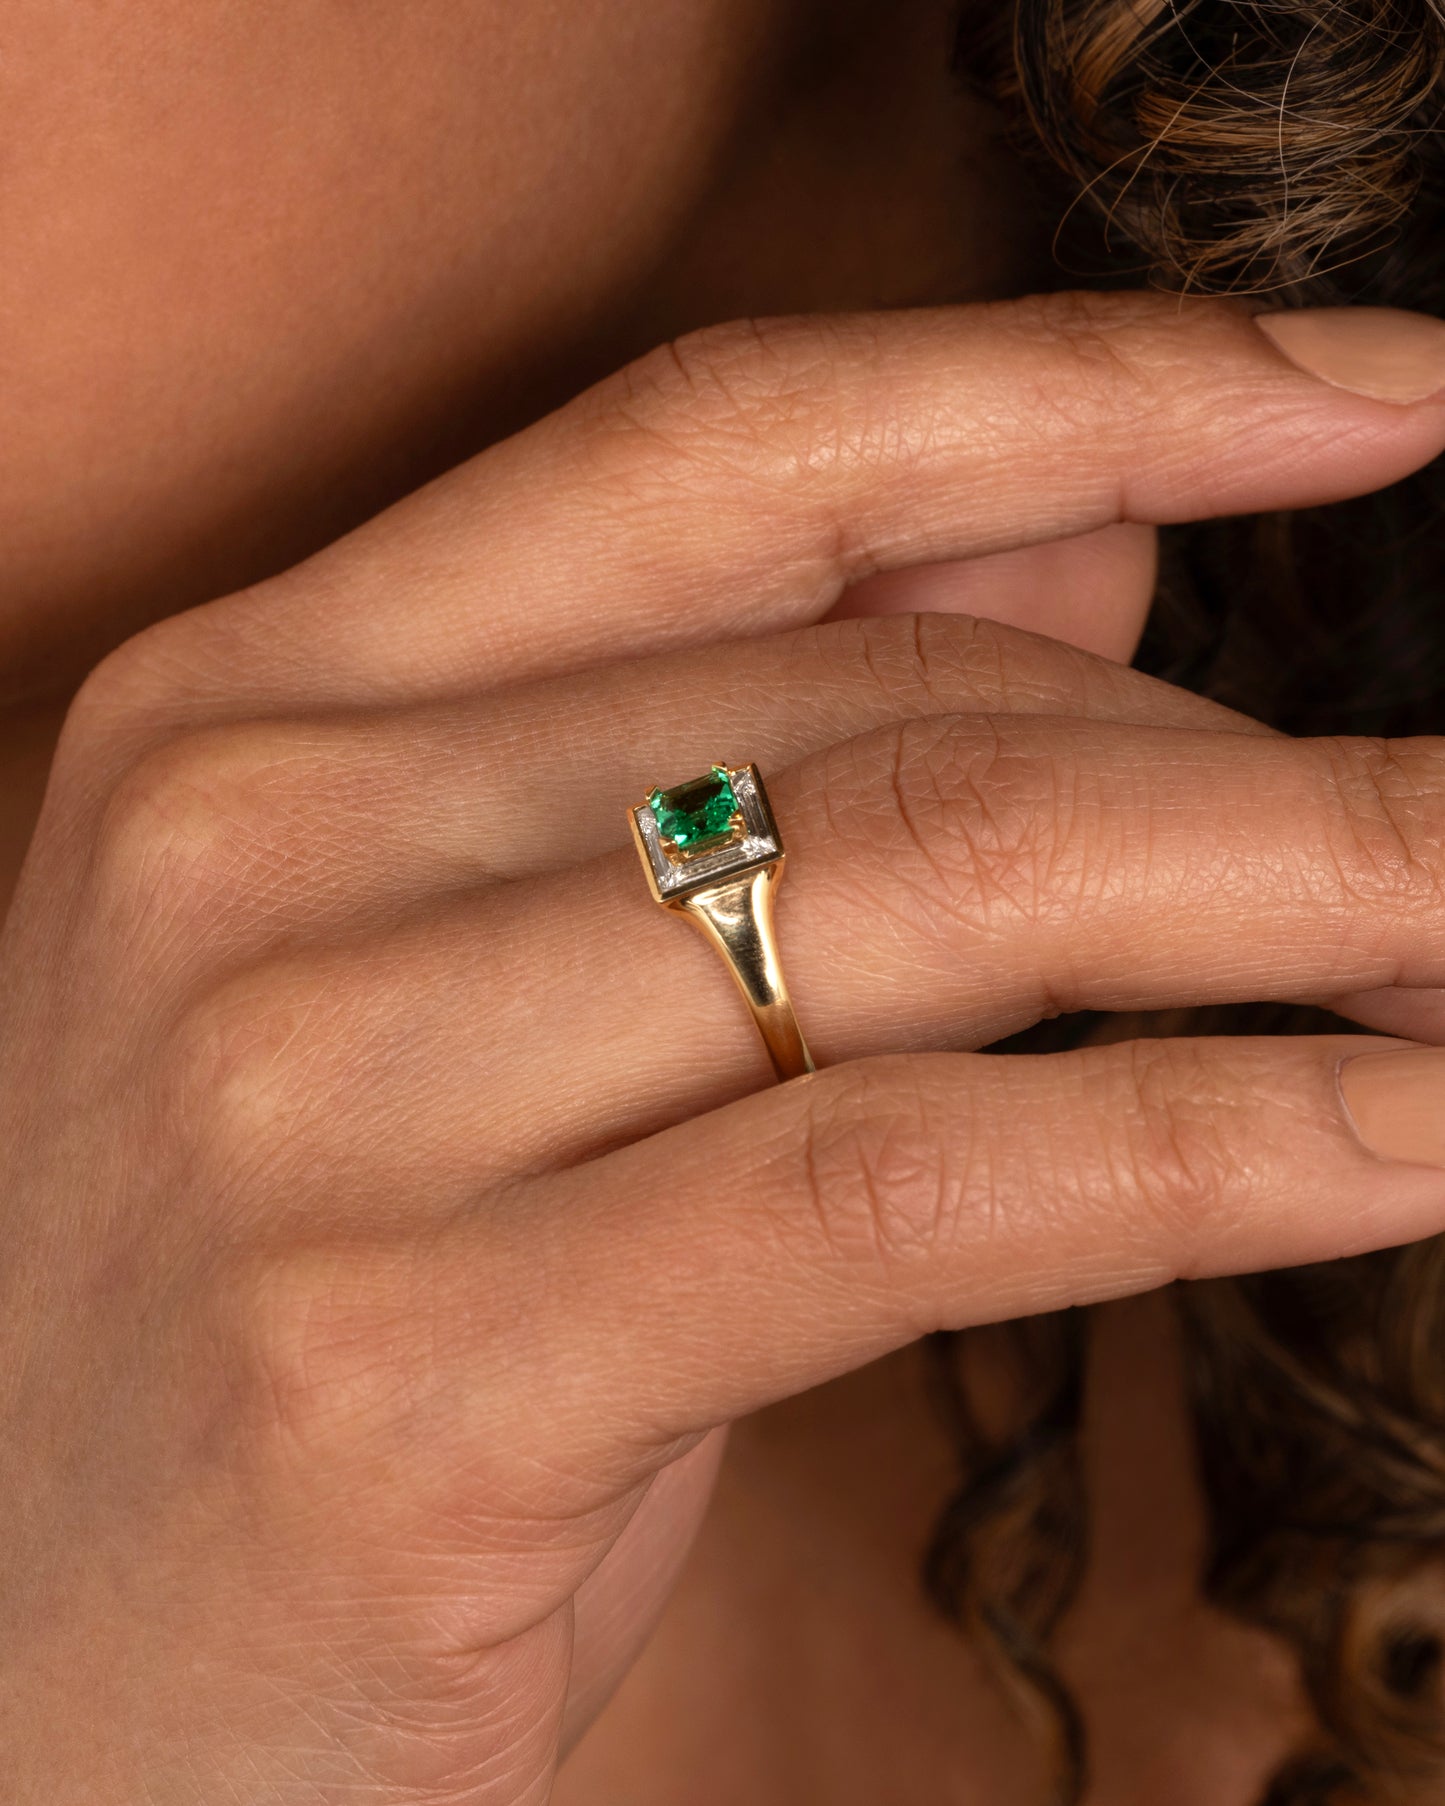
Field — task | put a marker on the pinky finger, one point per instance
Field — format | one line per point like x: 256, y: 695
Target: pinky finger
x: 781, y: 1241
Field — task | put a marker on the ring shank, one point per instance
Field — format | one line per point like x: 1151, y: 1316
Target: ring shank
x: 736, y: 917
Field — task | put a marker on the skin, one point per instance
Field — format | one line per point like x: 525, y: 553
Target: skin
x: 306, y: 1509
x: 802, y: 1589
x: 424, y: 1354
x: 748, y: 158
x: 435, y: 195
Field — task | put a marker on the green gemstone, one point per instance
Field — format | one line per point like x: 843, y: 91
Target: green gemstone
x: 694, y: 813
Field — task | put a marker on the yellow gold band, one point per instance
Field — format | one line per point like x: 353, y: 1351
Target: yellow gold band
x: 736, y: 916
x: 712, y: 853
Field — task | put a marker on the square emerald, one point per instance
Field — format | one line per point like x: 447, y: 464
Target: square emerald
x: 692, y: 814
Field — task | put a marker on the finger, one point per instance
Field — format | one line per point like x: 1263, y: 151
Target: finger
x: 1092, y: 591
x: 774, y: 1244
x: 347, y: 813
x: 736, y: 483
x: 1416, y: 1011
x: 949, y: 882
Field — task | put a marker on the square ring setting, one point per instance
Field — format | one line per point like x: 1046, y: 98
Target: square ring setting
x: 706, y: 831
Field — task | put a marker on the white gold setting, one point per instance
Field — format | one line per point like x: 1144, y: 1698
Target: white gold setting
x: 758, y: 844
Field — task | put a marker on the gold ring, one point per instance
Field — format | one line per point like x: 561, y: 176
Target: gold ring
x: 712, y: 853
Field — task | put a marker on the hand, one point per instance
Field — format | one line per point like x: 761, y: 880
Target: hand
x: 395, y: 1204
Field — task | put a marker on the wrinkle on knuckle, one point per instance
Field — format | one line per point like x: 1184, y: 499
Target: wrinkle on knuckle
x: 995, y: 824
x: 1171, y: 1153
x: 955, y: 662
x: 937, y: 663
x: 918, y: 756
x: 761, y: 412
x: 891, y: 650
x: 1385, y: 831
x: 1104, y: 348
x: 878, y: 1171
x: 990, y: 666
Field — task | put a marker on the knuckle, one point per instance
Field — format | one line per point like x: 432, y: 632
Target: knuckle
x: 123, y: 687
x: 903, y: 1170
x: 247, y: 1058
x: 1386, y: 820
x: 367, y: 1374
x: 988, y: 826
x: 939, y: 662
x: 148, y: 683
x: 945, y: 663
x: 1119, y: 369
x: 1105, y: 343
x: 327, y: 1362
x: 766, y: 401
x: 877, y: 1167
x: 1094, y: 324
x: 732, y: 367
x: 1173, y: 1156
x: 177, y: 835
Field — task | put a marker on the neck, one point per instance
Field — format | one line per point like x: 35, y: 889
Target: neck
x: 802, y: 1653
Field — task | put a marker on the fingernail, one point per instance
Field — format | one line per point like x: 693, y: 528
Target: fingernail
x: 1382, y: 352
x: 1396, y: 1102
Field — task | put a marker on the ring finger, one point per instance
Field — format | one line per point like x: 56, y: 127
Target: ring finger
x: 361, y: 813
x: 952, y: 879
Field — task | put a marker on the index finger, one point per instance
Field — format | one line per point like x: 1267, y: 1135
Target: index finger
x: 736, y: 482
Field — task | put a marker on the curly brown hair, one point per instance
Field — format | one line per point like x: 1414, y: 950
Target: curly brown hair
x: 1293, y: 149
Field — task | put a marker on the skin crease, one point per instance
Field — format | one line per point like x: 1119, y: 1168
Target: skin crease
x: 177, y: 425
